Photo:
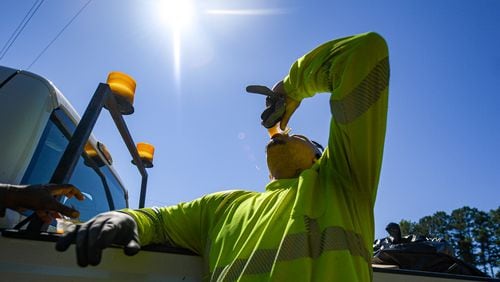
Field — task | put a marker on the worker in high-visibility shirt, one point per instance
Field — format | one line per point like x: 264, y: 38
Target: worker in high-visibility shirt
x: 315, y: 220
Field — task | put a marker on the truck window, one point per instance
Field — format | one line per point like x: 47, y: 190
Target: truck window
x: 26, y: 103
x: 119, y: 200
x: 101, y: 188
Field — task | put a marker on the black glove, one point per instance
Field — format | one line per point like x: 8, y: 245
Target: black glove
x: 98, y: 233
x: 275, y: 105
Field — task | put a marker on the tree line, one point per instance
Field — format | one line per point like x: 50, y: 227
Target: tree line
x: 474, y: 235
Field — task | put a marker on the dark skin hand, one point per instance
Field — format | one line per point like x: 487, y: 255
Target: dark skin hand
x: 40, y: 198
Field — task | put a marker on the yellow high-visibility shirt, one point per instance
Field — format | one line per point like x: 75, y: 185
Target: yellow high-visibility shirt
x: 319, y: 226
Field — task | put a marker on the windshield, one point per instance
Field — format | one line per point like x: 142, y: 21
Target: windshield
x: 103, y: 192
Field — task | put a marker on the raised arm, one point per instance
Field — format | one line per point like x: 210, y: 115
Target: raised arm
x: 355, y: 70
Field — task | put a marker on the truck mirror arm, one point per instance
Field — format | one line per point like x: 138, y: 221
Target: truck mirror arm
x: 115, y: 112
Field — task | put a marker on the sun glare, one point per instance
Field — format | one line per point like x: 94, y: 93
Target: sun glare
x: 176, y: 15
x: 247, y: 12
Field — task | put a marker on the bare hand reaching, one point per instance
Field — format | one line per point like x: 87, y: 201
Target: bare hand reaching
x: 40, y: 198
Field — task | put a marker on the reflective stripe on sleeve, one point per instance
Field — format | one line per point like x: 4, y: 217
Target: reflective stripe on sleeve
x: 361, y: 98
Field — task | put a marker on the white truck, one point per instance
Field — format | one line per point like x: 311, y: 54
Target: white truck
x: 43, y: 139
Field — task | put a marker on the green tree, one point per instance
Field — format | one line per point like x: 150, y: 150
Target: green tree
x: 474, y: 235
x: 462, y: 225
x: 407, y: 227
x: 495, y: 252
x: 436, y: 225
x: 483, y: 236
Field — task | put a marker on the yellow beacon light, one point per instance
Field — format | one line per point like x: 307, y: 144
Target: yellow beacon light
x: 123, y: 86
x: 146, y: 153
x: 90, y: 151
x: 92, y: 154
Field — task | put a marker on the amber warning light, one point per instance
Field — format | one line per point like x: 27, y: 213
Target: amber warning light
x: 146, y: 153
x: 123, y: 86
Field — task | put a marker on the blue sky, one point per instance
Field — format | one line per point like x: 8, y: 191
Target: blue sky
x: 442, y: 143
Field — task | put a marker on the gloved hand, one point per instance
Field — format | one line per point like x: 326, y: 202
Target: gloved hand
x: 100, y: 232
x: 279, y: 107
x: 275, y: 105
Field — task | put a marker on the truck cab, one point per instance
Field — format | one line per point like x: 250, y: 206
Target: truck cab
x: 36, y: 124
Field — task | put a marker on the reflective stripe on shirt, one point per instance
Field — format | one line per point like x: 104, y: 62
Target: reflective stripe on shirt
x: 310, y: 244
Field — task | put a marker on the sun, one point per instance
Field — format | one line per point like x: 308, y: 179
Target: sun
x: 176, y: 14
